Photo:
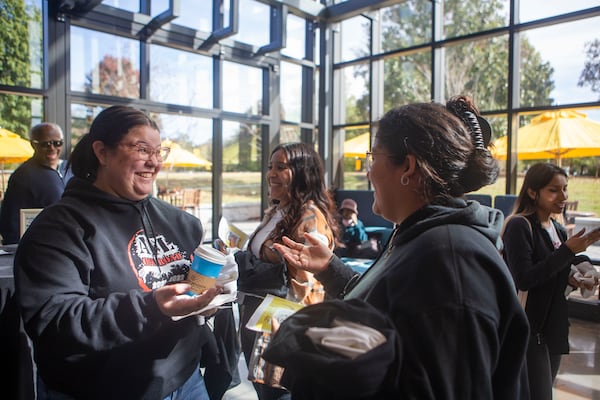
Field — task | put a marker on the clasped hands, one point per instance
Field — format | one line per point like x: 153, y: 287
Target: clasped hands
x: 585, y: 277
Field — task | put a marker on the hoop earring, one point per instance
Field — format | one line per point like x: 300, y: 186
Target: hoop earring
x: 404, y: 180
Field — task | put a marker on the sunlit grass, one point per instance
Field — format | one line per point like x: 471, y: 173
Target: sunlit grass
x: 245, y: 186
x: 586, y: 190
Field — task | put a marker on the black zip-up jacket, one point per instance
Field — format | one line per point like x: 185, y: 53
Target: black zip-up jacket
x: 543, y: 272
x: 443, y: 283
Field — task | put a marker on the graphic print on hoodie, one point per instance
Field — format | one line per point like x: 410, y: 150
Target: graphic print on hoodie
x: 156, y: 261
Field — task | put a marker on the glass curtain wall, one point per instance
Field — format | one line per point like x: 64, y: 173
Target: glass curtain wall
x: 516, y: 63
x: 228, y: 80
x: 225, y: 87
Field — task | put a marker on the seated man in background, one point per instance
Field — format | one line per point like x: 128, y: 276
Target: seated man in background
x: 355, y: 242
x: 37, y: 183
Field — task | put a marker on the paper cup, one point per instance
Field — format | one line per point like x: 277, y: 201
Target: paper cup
x: 205, y: 268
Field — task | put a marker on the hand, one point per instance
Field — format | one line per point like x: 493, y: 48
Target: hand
x: 275, y: 324
x: 173, y: 301
x: 220, y: 245
x: 313, y: 257
x: 234, y: 240
x: 580, y: 241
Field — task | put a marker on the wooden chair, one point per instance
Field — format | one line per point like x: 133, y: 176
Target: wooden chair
x: 570, y: 206
x: 569, y: 220
x: 191, y: 201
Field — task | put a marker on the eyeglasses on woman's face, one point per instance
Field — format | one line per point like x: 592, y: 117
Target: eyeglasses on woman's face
x: 48, y: 143
x: 369, y: 157
x: 145, y: 153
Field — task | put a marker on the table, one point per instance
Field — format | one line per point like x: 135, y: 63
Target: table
x: 571, y: 215
x: 15, y: 353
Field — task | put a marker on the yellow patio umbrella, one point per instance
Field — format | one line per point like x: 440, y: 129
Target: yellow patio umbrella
x: 179, y: 157
x: 357, y: 146
x: 554, y: 134
x: 13, y: 149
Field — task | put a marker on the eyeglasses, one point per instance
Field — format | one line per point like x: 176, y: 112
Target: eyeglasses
x: 145, y: 153
x: 370, y: 159
x: 49, y: 143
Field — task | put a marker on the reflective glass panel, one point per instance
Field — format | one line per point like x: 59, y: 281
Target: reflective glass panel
x: 82, y: 116
x: 463, y: 17
x: 356, y: 144
x: 255, y: 22
x: 129, y: 5
x: 21, y: 43
x: 355, y: 36
x: 19, y: 113
x: 499, y: 125
x: 104, y: 64
x: 289, y: 133
x: 180, y: 77
x: 407, y: 79
x: 478, y: 69
x: 552, y: 62
x: 404, y: 25
x: 354, y: 94
x: 296, y: 37
x: 582, y: 181
x: 537, y: 9
x: 242, y: 177
x: 192, y: 13
x: 242, y: 88
x: 291, y: 91
x: 186, y: 178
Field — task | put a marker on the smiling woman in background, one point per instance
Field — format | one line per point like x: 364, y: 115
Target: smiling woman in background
x: 300, y: 203
x: 99, y: 275
x: 540, y: 255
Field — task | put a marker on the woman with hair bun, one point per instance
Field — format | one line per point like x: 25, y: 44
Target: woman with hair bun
x: 441, y: 279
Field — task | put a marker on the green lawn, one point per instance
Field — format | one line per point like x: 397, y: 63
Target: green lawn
x: 245, y: 186
x: 585, y: 190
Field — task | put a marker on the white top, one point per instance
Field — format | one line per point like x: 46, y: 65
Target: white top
x: 553, y: 235
x: 261, y: 235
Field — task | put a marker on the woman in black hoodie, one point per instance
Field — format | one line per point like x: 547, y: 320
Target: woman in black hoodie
x: 440, y: 280
x: 99, y: 275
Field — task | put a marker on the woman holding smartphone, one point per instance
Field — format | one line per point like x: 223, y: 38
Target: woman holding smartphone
x: 540, y: 256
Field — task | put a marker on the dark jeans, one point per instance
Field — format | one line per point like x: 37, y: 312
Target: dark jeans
x: 542, y: 368
x: 192, y: 389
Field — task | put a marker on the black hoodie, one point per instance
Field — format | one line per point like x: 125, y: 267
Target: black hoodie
x: 84, y: 274
x: 444, y: 285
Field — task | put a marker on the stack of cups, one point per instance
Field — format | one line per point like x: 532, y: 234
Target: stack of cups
x: 205, y: 268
